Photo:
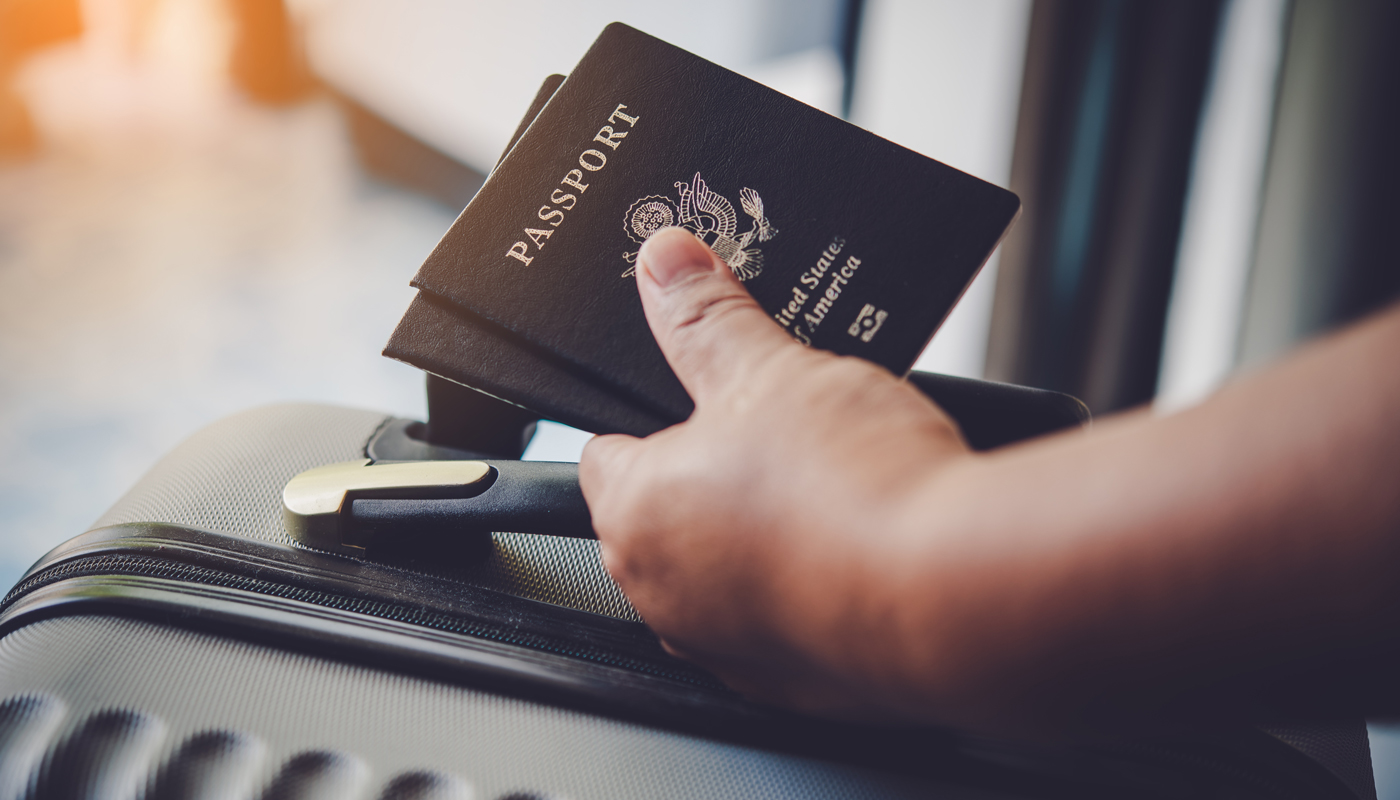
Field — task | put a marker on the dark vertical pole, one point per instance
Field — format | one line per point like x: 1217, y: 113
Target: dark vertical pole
x: 1111, y: 102
x: 852, y: 14
x: 1325, y: 252
x: 1371, y: 277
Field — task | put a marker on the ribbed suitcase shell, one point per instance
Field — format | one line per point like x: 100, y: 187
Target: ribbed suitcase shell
x: 98, y: 702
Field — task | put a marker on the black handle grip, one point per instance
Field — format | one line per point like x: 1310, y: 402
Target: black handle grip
x: 524, y: 497
x: 544, y: 497
x: 534, y: 497
x: 995, y: 414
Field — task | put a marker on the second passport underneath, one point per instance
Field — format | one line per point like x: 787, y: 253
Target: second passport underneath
x: 852, y: 243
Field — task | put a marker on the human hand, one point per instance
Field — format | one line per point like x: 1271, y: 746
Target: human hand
x: 754, y: 537
x: 819, y: 536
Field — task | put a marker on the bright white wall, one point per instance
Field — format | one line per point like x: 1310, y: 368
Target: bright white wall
x: 459, y: 73
x: 943, y: 77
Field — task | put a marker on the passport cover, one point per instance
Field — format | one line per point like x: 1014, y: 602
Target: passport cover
x: 464, y: 348
x: 853, y: 243
x: 448, y: 342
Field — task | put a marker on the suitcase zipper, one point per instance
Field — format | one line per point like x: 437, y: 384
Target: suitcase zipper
x: 1190, y: 764
x: 144, y: 566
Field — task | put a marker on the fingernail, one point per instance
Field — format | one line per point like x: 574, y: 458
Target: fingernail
x: 671, y: 255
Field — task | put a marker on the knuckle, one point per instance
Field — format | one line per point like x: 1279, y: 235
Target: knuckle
x: 711, y: 309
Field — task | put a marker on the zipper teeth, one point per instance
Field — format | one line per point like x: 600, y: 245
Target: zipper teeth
x: 141, y: 566
x: 157, y: 568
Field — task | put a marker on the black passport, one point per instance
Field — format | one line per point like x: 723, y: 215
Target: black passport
x: 852, y: 243
x: 466, y: 349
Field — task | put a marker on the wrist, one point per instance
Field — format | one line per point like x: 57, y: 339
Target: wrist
x: 851, y: 601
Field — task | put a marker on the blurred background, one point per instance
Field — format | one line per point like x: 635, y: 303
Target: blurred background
x: 211, y: 204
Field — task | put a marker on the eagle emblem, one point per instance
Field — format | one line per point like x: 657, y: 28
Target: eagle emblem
x: 708, y: 215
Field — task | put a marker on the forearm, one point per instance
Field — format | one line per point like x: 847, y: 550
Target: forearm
x: 1160, y: 565
x: 818, y: 535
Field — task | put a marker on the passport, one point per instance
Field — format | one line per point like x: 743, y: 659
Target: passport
x: 852, y: 243
x: 461, y: 347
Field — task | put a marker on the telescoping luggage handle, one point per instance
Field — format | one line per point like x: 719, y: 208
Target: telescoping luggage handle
x: 449, y: 508
x: 357, y: 506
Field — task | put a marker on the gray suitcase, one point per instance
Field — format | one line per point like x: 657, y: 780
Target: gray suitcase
x: 185, y: 647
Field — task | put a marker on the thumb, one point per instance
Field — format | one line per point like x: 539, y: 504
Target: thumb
x: 709, y: 327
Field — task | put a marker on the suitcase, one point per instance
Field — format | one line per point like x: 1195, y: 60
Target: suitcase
x: 185, y: 647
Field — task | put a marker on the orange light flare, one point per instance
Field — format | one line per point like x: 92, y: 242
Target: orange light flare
x: 102, y: 75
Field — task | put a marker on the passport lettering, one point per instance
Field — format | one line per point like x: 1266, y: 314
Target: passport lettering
x: 812, y: 278
x: 591, y: 160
